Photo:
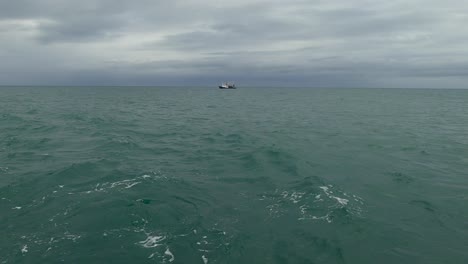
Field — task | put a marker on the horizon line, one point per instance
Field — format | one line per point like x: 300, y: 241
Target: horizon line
x: 247, y: 86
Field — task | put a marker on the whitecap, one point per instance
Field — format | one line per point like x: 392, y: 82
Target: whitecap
x: 131, y: 185
x: 205, y: 259
x: 324, y: 188
x: 295, y: 197
x: 169, y: 253
x: 329, y: 193
x: 152, y: 241
x: 24, y: 249
x: 72, y: 237
x: 342, y: 201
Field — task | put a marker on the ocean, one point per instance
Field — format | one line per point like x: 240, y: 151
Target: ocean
x: 252, y: 175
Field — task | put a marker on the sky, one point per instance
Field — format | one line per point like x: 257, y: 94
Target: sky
x: 312, y: 43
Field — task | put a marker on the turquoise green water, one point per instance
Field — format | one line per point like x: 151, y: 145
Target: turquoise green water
x: 253, y: 175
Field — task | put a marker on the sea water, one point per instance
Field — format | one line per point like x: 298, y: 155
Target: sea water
x: 253, y: 175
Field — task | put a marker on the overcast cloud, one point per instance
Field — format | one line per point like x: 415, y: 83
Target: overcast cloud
x: 316, y: 43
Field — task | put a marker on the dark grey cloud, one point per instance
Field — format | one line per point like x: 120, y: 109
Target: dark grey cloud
x: 79, y: 29
x: 378, y: 43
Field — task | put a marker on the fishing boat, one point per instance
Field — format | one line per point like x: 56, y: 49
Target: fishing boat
x: 227, y: 86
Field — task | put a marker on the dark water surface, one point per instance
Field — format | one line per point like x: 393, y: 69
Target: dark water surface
x: 253, y: 175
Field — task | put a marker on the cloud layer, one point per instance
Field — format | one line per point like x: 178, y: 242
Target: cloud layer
x: 316, y: 43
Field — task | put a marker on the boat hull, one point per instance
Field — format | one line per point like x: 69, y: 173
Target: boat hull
x: 223, y: 87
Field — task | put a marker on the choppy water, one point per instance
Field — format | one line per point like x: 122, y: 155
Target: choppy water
x: 253, y: 175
